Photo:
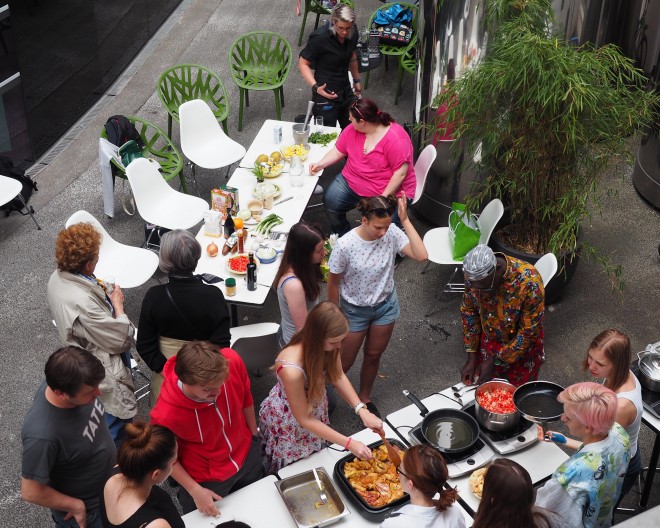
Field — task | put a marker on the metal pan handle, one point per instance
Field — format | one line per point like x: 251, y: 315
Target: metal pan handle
x: 422, y: 408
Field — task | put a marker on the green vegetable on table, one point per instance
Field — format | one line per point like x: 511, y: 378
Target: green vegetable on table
x: 267, y: 224
x: 322, y: 139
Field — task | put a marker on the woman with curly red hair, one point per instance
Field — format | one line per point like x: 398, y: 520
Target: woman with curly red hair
x: 89, y: 316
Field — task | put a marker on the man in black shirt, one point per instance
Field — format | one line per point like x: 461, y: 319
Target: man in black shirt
x: 330, y: 53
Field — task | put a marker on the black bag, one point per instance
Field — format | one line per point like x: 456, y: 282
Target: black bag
x: 29, y: 186
x: 120, y: 130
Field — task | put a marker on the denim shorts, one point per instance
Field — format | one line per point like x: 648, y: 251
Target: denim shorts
x: 361, y: 317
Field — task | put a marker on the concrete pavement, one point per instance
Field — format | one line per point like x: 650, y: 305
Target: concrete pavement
x: 425, y: 353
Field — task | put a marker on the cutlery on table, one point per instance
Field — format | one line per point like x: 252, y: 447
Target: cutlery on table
x: 283, y: 200
x: 324, y: 497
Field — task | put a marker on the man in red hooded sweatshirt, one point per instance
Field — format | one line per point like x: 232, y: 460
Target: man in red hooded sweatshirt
x: 206, y: 402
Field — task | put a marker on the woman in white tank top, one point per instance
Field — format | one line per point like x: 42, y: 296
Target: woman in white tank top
x: 609, y: 357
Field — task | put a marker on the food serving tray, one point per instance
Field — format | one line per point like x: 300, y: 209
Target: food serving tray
x: 301, y: 495
x: 368, y: 512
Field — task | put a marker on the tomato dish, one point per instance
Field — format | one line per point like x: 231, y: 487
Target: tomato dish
x: 497, y: 401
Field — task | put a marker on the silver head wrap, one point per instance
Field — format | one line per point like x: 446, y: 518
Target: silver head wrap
x: 479, y: 263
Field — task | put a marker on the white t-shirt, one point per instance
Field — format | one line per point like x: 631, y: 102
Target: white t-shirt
x: 413, y: 516
x: 367, y: 265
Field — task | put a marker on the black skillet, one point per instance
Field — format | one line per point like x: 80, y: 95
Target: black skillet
x: 537, y: 401
x: 448, y: 430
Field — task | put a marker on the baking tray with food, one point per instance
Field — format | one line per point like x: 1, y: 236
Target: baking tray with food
x: 372, y: 485
x: 302, y: 496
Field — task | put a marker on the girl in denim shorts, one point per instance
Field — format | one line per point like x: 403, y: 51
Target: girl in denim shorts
x: 361, y: 281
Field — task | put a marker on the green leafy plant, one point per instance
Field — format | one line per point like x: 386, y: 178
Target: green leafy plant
x: 259, y: 170
x: 548, y: 118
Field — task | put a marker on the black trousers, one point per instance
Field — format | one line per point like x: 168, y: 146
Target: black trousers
x: 334, y: 110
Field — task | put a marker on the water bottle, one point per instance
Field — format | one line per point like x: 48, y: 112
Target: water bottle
x: 251, y: 273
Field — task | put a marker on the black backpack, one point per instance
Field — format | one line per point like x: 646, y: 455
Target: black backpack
x: 29, y: 186
x: 120, y: 130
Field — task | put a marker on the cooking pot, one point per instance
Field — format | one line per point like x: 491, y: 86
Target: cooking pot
x: 649, y: 369
x: 537, y: 401
x: 448, y: 430
x: 490, y: 420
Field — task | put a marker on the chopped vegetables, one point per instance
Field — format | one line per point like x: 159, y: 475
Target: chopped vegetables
x: 322, y: 139
x: 497, y: 401
x: 239, y: 263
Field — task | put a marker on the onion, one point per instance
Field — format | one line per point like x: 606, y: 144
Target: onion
x: 212, y: 249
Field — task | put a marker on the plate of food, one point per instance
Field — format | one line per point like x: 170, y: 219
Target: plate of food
x: 476, y: 481
x: 238, y: 263
x: 268, y: 166
x: 256, y: 190
x: 301, y: 150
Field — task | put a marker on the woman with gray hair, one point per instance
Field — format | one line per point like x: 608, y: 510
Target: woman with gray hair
x: 183, y: 310
x: 324, y: 64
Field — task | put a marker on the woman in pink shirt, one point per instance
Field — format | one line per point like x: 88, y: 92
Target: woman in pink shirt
x: 379, y: 161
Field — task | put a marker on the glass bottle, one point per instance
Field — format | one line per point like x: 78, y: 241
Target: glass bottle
x: 229, y: 226
x: 251, y: 273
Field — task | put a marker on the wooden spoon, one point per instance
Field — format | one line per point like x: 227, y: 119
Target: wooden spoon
x: 392, y: 452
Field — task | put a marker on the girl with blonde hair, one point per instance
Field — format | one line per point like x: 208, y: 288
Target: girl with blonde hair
x: 294, y: 416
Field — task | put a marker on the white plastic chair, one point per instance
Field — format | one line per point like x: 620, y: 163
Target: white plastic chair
x: 10, y: 189
x: 158, y: 203
x: 422, y: 167
x: 203, y: 141
x: 130, y: 266
x: 438, y: 246
x: 547, y: 267
x: 257, y: 344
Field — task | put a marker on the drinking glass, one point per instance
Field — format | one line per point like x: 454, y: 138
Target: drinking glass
x: 296, y: 177
x: 109, y: 283
x: 318, y: 124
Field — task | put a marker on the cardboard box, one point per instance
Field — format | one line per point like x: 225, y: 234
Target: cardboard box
x: 225, y: 201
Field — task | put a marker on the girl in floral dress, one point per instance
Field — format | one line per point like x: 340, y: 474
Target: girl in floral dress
x: 294, y: 417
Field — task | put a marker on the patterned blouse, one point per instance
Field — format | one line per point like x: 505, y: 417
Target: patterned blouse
x: 585, y: 488
x: 507, y: 323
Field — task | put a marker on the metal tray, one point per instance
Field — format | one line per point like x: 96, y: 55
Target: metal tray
x: 301, y: 496
x: 368, y: 512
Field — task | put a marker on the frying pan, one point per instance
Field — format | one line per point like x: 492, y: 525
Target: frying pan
x: 448, y: 430
x: 537, y: 401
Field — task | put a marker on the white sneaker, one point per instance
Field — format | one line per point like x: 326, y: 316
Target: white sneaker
x: 318, y: 190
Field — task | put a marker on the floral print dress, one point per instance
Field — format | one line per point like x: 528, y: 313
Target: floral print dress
x: 283, y: 440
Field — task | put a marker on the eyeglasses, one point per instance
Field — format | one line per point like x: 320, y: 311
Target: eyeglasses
x: 398, y: 470
x: 490, y: 288
x: 382, y: 212
x: 354, y: 107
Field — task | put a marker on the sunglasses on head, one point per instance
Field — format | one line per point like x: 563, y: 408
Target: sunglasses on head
x: 355, y: 107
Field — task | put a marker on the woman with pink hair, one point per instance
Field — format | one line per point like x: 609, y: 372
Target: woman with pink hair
x: 585, y: 488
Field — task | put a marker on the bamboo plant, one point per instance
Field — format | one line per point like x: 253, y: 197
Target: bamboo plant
x: 549, y: 117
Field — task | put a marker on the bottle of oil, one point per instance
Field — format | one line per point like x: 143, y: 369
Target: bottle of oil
x: 251, y: 273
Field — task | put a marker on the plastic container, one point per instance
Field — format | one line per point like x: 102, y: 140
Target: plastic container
x: 230, y: 287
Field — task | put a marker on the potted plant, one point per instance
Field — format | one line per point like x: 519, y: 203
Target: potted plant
x: 547, y: 117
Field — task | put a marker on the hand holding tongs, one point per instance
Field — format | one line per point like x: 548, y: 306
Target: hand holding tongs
x: 324, y: 497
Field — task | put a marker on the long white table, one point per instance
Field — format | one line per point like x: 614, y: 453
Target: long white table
x: 328, y: 457
x: 540, y: 459
x: 263, y: 143
x: 258, y: 505
x: 291, y: 212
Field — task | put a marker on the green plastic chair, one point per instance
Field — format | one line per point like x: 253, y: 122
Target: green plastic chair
x: 185, y: 82
x: 157, y: 146
x: 407, y: 63
x: 392, y: 50
x: 316, y: 6
x: 259, y: 60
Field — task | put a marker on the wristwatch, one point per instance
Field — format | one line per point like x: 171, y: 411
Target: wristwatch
x: 356, y: 81
x: 359, y: 406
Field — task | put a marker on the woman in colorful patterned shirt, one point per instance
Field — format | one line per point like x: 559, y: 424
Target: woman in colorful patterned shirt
x: 585, y: 488
x: 502, y: 316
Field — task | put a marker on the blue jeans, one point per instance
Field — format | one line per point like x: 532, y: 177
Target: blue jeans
x: 93, y: 519
x: 339, y: 199
x: 116, y: 426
